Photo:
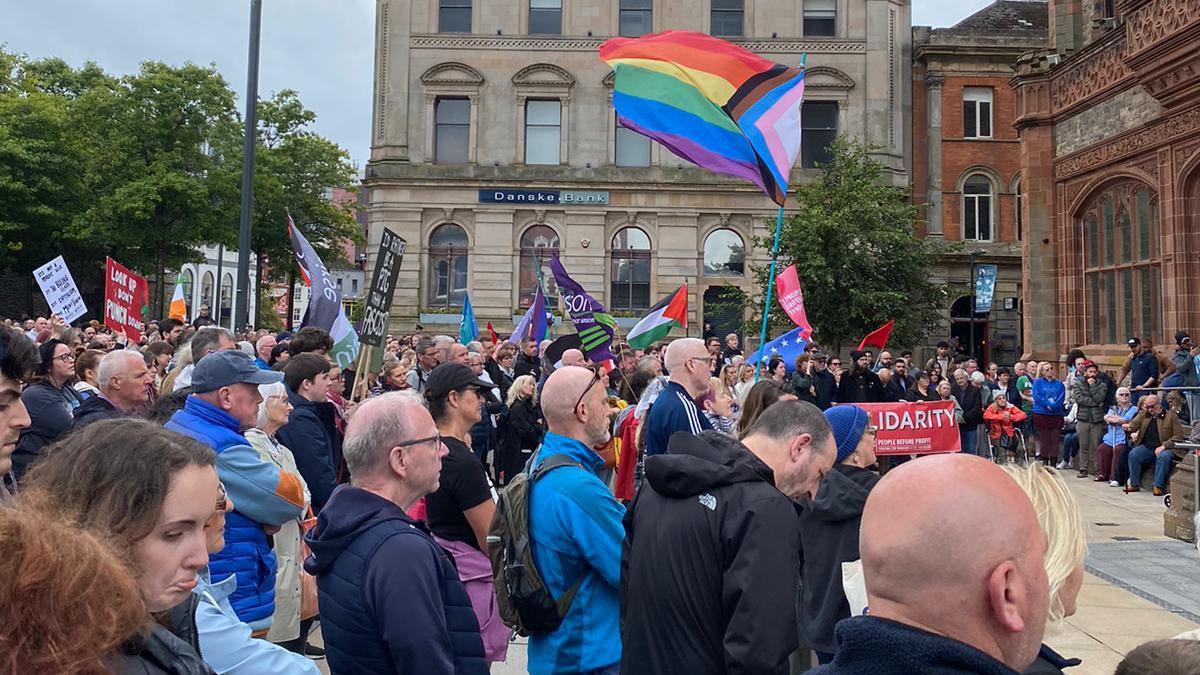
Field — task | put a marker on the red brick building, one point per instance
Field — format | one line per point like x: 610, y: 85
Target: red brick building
x: 1109, y: 122
x: 967, y: 160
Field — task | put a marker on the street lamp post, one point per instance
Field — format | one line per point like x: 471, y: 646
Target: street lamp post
x: 975, y: 254
x: 242, y: 316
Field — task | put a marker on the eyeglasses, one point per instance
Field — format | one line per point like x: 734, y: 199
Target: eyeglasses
x: 710, y: 360
x: 595, y: 379
x: 222, y: 499
x: 436, y: 438
x: 1125, y: 394
x: 65, y: 358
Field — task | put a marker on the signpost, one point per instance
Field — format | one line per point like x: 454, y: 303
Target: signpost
x: 60, y: 290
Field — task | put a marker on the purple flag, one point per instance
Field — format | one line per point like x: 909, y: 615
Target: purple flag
x: 595, y: 326
x: 533, y: 325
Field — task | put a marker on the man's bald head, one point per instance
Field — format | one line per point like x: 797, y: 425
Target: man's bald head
x: 560, y: 392
x: 573, y: 357
x: 956, y: 531
x: 575, y: 405
x: 682, y: 349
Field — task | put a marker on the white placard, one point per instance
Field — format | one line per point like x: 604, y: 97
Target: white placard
x: 60, y: 290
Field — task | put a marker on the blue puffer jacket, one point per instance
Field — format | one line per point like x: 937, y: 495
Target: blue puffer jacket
x: 390, y: 598
x: 262, y: 494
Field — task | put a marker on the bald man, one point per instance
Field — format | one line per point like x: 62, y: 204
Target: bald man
x: 948, y: 590
x: 575, y: 528
x: 573, y: 357
x: 690, y: 365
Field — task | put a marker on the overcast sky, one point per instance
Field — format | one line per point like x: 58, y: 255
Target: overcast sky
x: 321, y: 48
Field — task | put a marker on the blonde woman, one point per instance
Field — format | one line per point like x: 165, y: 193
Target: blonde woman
x: 520, y: 431
x: 1059, y: 516
x: 287, y: 628
x: 745, y: 380
x: 183, y: 359
x: 728, y: 383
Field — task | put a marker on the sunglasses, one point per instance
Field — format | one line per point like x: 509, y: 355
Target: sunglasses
x: 835, y: 364
x: 595, y: 379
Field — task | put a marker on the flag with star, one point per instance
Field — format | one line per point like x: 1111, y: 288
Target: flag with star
x: 787, y: 347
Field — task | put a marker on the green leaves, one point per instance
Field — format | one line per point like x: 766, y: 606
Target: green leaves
x: 855, y: 254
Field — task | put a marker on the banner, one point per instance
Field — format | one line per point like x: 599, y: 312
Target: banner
x: 985, y: 287
x: 378, y: 304
x: 791, y: 298
x: 60, y: 290
x: 921, y: 428
x: 595, y: 326
x: 325, y: 308
x: 125, y: 294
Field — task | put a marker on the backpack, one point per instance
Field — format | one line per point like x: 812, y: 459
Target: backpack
x: 523, y: 601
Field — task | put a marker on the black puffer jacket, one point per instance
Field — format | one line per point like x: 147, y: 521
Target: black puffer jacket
x: 829, y: 537
x: 93, y: 410
x: 710, y: 563
x: 173, y: 651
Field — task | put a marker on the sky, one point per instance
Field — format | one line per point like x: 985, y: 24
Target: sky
x: 324, y: 49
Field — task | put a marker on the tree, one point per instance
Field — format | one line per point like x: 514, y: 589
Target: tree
x: 858, y: 262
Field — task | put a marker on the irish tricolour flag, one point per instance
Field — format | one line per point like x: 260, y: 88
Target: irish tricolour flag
x: 670, y: 312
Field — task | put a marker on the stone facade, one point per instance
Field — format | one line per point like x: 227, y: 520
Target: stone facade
x: 1112, y: 180
x: 952, y: 68
x: 499, y: 77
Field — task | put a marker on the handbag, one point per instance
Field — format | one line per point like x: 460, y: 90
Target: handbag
x: 308, y: 582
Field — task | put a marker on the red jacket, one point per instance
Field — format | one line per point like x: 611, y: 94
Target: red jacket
x: 994, y: 416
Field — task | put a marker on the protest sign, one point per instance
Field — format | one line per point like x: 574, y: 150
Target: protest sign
x: 921, y: 428
x: 60, y: 290
x: 125, y: 294
x: 383, y: 287
x: 791, y: 298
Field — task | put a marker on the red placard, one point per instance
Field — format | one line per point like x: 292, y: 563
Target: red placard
x: 921, y: 428
x: 125, y: 293
x: 791, y: 298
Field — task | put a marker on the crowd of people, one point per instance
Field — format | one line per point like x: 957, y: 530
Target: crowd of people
x: 684, y: 513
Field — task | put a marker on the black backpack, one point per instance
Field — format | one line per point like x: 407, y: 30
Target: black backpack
x: 524, y: 602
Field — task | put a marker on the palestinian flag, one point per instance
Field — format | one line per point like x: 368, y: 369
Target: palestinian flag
x: 670, y: 312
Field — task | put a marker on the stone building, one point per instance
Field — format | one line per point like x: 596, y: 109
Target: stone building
x: 1109, y: 118
x: 967, y: 164
x: 494, y: 143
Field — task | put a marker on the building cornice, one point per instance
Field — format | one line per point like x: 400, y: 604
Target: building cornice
x: 1129, y: 144
x: 584, y: 44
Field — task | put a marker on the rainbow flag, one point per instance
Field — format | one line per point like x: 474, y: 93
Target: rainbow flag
x: 712, y: 103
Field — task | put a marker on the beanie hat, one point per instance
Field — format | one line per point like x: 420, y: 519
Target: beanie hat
x: 848, y: 423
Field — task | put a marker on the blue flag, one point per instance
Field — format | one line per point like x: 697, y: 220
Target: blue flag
x: 787, y: 347
x: 467, y: 330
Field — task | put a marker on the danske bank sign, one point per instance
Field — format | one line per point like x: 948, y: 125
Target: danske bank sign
x: 572, y: 197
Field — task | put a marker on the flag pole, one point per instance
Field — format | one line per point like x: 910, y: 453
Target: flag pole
x: 762, y: 338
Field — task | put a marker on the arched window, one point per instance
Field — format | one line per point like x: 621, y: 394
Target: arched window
x: 630, y: 270
x: 1122, y: 272
x: 226, y: 301
x: 539, y: 244
x: 189, y: 282
x: 447, y: 266
x: 206, y: 289
x: 977, y: 208
x: 724, y: 254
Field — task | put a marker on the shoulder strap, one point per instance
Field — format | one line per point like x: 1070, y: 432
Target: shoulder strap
x: 557, y: 461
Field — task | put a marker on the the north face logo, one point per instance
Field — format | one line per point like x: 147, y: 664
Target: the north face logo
x: 708, y: 500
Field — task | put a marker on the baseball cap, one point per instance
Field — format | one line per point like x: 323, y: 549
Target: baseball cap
x: 223, y: 369
x: 450, y: 377
x: 1133, y: 342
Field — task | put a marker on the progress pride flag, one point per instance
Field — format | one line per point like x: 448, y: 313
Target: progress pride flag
x: 921, y: 428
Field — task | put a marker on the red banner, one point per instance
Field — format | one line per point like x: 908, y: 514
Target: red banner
x: 125, y: 294
x: 922, y: 428
x: 792, y: 300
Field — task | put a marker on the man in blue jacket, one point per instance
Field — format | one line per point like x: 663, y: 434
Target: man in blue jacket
x: 690, y: 365
x: 224, y: 403
x: 575, y: 529
x: 307, y: 378
x: 390, y: 598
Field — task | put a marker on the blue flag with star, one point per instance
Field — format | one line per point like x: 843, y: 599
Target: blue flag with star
x: 787, y: 346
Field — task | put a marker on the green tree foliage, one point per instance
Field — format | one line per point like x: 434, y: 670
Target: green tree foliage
x: 858, y: 262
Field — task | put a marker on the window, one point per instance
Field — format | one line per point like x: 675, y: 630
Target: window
x: 633, y: 149
x: 226, y: 317
x: 206, y: 289
x: 454, y: 16
x: 820, y: 18
x: 452, y: 130
x: 447, y: 266
x: 977, y: 112
x: 1122, y: 274
x: 636, y: 18
x: 542, y: 119
x: 818, y: 121
x: 724, y: 254
x: 539, y: 244
x: 630, y: 270
x: 189, y: 280
x: 1019, y: 214
x: 545, y: 17
x: 726, y: 18
x: 977, y: 208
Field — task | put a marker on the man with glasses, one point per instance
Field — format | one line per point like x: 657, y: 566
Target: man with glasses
x: 427, y: 360
x: 391, y: 600
x: 1156, y: 431
x: 690, y: 365
x: 575, y: 528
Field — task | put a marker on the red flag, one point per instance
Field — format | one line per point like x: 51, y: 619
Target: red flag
x: 879, y: 337
x: 495, y: 338
x: 792, y: 300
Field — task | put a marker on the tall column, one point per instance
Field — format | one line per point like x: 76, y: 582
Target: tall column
x: 933, y: 89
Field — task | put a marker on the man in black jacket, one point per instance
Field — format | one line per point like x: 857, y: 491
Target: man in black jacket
x: 860, y: 385
x: 305, y: 434
x: 126, y: 385
x: 18, y: 358
x: 528, y: 361
x: 710, y: 562
x: 823, y: 381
